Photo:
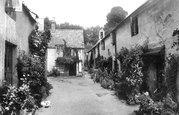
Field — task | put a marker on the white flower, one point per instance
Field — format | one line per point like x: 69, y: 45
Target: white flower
x: 7, y: 108
x: 146, y: 93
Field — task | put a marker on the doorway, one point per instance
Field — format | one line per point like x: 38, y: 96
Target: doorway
x: 72, y: 70
x: 9, y: 60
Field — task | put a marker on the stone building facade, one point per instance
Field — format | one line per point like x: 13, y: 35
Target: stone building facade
x: 15, y: 27
x: 154, y: 22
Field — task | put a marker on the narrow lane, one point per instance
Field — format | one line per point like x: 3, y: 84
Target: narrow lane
x: 80, y: 96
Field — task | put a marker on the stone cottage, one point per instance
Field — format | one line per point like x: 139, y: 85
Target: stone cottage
x: 154, y: 21
x: 72, y: 39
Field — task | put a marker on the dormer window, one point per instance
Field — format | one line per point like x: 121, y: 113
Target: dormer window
x: 134, y: 26
x: 101, y: 34
x: 9, y: 9
x: 113, y: 36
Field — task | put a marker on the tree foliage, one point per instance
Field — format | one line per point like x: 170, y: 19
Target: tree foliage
x: 91, y: 35
x: 67, y: 25
x: 114, y: 17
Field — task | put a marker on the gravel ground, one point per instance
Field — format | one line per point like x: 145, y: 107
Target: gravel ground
x: 81, y: 96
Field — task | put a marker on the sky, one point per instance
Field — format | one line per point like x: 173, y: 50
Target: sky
x: 86, y: 13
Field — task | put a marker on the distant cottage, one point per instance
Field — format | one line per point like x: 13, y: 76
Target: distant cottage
x: 66, y: 44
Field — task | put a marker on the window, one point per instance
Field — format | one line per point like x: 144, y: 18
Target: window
x: 101, y: 35
x: 9, y: 9
x: 134, y: 26
x: 9, y: 60
x: 102, y: 45
x: 59, y: 50
x: 113, y: 36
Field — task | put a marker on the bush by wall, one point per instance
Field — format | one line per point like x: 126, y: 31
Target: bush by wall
x: 32, y: 69
x: 130, y: 79
x: 15, y: 100
x: 55, y: 72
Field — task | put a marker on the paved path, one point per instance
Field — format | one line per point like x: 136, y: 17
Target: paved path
x: 80, y: 96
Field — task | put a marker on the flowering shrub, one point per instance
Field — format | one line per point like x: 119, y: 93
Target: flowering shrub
x: 55, y: 72
x: 13, y: 99
x: 147, y: 105
x: 130, y: 78
x: 165, y: 107
x: 33, y: 70
x: 64, y: 60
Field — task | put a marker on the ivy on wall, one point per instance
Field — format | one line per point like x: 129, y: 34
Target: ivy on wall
x: 67, y: 58
x: 38, y: 42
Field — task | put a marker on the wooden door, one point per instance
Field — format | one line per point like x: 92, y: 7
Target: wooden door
x: 72, y: 70
x: 8, y: 64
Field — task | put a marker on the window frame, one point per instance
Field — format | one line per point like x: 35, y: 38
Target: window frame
x: 9, y: 62
x: 103, y: 45
x: 134, y: 26
x: 10, y: 10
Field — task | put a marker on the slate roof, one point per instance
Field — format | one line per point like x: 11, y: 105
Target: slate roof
x: 73, y: 38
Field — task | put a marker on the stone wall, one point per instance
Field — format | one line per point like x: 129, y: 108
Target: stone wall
x: 7, y: 33
x: 108, y: 45
x: 24, y: 27
x: 156, y: 24
x: 15, y: 32
x: 123, y: 36
x: 2, y: 39
x: 51, y: 57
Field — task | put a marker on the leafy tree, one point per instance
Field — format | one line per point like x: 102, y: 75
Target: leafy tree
x: 88, y: 46
x: 114, y: 17
x: 67, y: 25
x: 91, y: 35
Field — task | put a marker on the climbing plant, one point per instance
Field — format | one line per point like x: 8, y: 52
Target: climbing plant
x: 67, y: 58
x: 171, y: 75
x: 38, y: 42
x: 32, y: 66
x: 130, y: 79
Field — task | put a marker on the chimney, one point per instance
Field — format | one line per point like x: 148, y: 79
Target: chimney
x: 53, y: 25
x: 101, y: 34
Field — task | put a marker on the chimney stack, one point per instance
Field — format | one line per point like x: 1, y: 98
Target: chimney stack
x: 53, y: 25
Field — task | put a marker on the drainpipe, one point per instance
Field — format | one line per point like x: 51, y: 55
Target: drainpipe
x: 94, y: 58
x: 115, y: 48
